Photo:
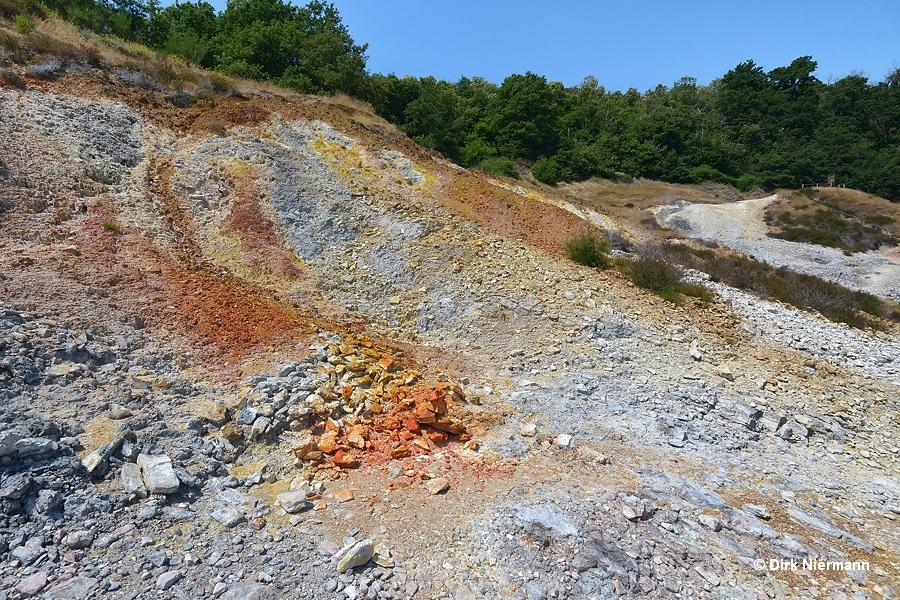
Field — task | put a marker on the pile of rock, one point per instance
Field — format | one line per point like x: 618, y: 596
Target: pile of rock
x: 348, y: 397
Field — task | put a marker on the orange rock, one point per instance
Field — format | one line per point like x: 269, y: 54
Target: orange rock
x: 304, y: 446
x: 316, y: 456
x: 425, y: 412
x: 400, y: 451
x: 357, y: 436
x: 406, y: 435
x: 347, y: 392
x: 412, y: 425
x: 449, y: 424
x: 328, y: 442
x: 345, y: 460
x: 388, y: 364
x: 438, y: 437
x: 438, y: 401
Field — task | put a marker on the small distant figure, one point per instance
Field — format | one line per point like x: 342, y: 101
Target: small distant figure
x: 831, y: 181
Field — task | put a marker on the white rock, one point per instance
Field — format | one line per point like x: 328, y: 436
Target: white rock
x: 563, y: 440
x: 158, y: 474
x: 528, y: 429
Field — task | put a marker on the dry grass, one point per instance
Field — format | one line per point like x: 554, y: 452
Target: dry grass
x: 361, y: 112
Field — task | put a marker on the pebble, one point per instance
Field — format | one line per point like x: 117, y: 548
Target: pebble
x: 437, y: 485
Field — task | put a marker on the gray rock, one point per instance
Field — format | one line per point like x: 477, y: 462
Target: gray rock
x: 563, y: 440
x: 32, y: 585
x: 243, y: 590
x: 158, y: 475
x: 710, y: 521
x: 757, y: 511
x: 96, y: 458
x: 745, y: 415
x: 634, y: 508
x: 45, y: 503
x: 293, y: 501
x: 694, y: 351
x: 78, y: 539
x: 259, y: 427
x: 547, y: 516
x: 77, y: 587
x: 132, y: 482
x: 229, y: 516
x: 118, y: 412
x: 815, y: 522
x: 28, y: 552
x: 36, y: 447
x: 16, y: 486
x: 246, y: 416
x: 8, y: 441
x: 168, y: 579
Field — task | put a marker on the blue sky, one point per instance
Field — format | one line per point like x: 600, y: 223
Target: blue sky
x: 636, y: 43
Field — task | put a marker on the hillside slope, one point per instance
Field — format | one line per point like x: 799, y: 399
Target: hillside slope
x: 332, y: 336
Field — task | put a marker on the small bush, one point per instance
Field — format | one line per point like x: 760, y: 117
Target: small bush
x: 745, y: 183
x: 220, y: 83
x: 546, y: 170
x: 499, y: 166
x: 879, y: 220
x: 110, y: 226
x: 217, y: 128
x: 655, y: 270
x: 24, y: 24
x: 589, y: 250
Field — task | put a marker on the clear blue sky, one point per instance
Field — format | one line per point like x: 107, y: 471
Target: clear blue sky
x: 624, y: 43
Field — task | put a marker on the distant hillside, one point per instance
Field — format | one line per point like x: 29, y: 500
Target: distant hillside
x: 751, y: 128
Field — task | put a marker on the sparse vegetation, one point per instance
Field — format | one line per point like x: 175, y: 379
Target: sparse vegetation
x: 654, y: 270
x: 111, y: 226
x: 833, y: 301
x: 826, y: 223
x: 24, y: 25
x: 590, y: 250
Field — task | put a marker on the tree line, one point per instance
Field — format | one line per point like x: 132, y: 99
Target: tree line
x: 750, y: 128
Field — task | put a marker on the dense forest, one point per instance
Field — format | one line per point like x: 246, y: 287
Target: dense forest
x: 749, y: 128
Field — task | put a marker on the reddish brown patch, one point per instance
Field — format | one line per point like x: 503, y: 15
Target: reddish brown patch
x: 258, y: 238
x: 100, y: 232
x: 226, y: 319
x: 510, y: 215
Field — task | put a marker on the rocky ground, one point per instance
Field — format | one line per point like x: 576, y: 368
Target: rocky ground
x: 295, y: 356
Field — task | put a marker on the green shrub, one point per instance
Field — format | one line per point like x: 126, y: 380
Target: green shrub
x: 879, y: 220
x: 499, y: 166
x: 110, y: 226
x: 589, y: 250
x: 832, y: 301
x: 704, y: 173
x: 24, y: 24
x: 745, y: 183
x: 546, y: 170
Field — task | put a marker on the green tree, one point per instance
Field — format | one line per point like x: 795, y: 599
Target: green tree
x: 307, y: 49
x: 523, y: 117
